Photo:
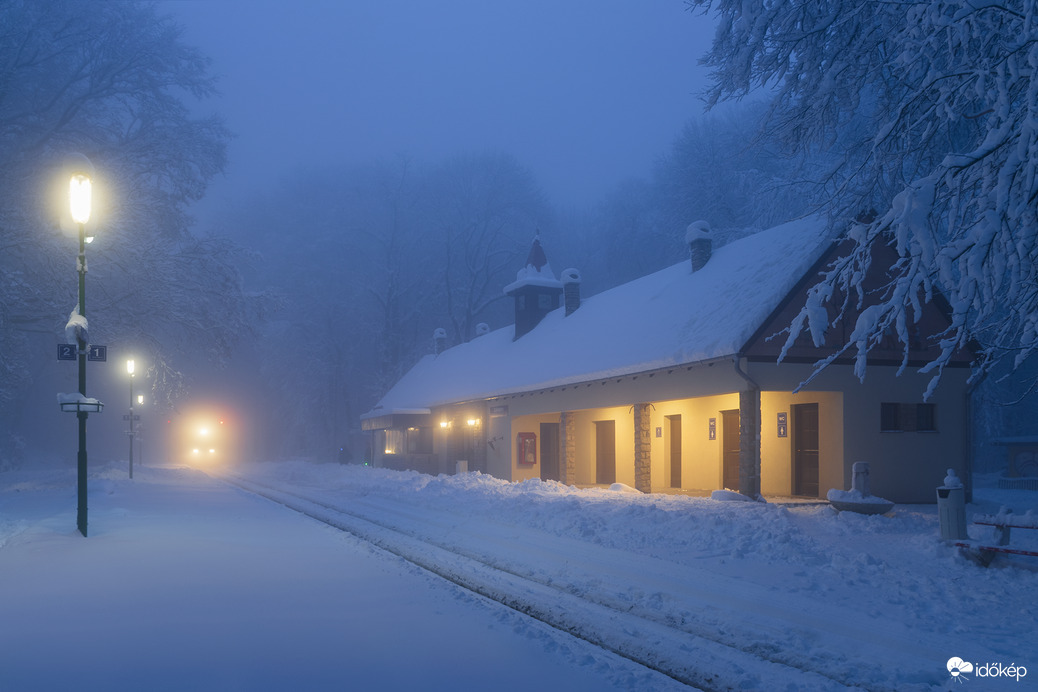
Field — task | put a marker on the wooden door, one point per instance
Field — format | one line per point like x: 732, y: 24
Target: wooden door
x: 674, y: 447
x: 550, y: 452
x: 605, y: 452
x: 805, y: 450
x: 730, y: 449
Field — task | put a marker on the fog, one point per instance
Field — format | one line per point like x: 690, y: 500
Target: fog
x: 299, y: 194
x: 388, y: 165
x: 586, y: 94
x: 557, y: 105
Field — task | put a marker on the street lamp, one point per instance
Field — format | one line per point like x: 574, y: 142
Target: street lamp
x: 79, y: 201
x: 129, y: 369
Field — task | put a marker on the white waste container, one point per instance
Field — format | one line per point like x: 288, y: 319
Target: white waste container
x: 951, y: 510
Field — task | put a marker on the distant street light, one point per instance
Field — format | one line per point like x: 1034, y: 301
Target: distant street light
x: 129, y: 369
x: 140, y: 438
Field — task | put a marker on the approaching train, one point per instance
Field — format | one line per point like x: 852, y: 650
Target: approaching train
x: 204, y: 437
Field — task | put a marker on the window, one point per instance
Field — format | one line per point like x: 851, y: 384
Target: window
x: 894, y: 417
x: 890, y: 417
x: 394, y: 441
x: 925, y: 420
x: 419, y: 440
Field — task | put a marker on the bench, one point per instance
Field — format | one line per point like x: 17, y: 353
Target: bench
x: 1003, y: 522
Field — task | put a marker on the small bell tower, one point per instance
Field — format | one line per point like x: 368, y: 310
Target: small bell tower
x: 535, y: 290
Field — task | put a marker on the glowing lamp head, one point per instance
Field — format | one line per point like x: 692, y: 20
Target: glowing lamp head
x: 140, y: 398
x: 79, y: 198
x: 129, y: 366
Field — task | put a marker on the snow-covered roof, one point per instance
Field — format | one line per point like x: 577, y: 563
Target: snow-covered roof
x: 671, y: 317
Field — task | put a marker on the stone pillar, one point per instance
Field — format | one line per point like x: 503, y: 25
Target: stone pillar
x: 568, y: 445
x: 642, y: 448
x: 749, y: 443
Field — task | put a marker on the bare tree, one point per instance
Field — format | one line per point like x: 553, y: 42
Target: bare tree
x: 109, y: 80
x: 485, y: 210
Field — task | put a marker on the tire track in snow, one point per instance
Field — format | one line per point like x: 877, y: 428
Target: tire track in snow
x: 705, y: 662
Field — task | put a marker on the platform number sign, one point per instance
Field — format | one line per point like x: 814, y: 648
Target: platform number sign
x: 66, y: 351
x: 99, y: 353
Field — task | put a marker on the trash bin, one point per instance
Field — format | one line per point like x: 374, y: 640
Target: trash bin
x: 951, y: 509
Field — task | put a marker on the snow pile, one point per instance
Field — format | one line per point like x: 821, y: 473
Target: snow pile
x: 76, y: 328
x: 698, y: 230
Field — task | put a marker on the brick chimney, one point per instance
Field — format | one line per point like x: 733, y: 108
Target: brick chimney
x: 571, y: 290
x: 700, y: 244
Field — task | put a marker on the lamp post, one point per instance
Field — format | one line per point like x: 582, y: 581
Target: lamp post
x: 79, y: 195
x: 129, y: 369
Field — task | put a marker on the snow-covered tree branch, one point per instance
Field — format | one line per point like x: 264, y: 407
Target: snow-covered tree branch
x: 928, y: 113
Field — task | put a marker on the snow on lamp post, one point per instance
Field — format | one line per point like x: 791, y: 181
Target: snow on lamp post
x: 129, y: 370
x: 80, y: 198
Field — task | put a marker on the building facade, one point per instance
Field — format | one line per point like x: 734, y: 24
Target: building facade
x: 672, y: 383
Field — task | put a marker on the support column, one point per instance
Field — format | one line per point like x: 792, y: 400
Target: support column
x: 568, y: 448
x: 749, y: 443
x: 642, y: 448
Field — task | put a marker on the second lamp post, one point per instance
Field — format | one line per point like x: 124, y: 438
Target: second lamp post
x: 129, y: 369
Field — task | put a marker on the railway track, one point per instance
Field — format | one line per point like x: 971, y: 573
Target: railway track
x: 695, y: 656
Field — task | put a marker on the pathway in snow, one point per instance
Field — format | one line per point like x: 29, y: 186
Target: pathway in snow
x: 188, y: 584
x: 776, y: 599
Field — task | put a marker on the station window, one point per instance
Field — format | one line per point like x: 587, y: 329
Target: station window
x: 419, y: 440
x: 393, y: 441
x: 897, y: 417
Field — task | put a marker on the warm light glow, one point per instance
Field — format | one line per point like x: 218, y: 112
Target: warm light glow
x: 473, y: 421
x: 205, y: 435
x: 140, y: 398
x: 444, y: 424
x: 79, y: 198
x: 129, y: 366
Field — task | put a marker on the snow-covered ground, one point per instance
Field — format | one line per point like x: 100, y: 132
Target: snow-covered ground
x: 189, y: 582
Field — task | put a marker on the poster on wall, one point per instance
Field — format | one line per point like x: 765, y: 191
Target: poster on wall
x: 526, y: 449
